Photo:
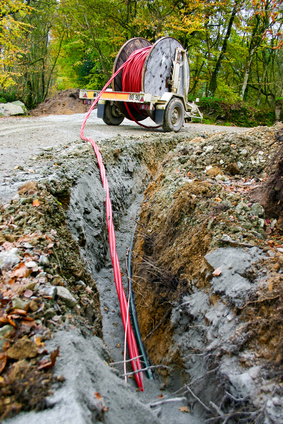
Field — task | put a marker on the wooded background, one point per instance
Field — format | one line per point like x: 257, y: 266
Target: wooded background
x: 234, y: 46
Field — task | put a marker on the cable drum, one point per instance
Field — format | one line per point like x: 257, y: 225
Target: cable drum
x: 154, y: 67
x: 158, y: 67
x: 126, y: 50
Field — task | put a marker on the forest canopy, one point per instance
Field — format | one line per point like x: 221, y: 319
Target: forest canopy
x: 234, y: 46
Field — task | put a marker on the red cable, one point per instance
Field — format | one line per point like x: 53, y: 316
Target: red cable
x: 132, y: 77
x: 133, y: 350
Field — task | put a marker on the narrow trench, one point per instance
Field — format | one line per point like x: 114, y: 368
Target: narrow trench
x: 87, y: 223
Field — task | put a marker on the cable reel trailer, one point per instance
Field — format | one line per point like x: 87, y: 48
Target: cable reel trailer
x: 164, y: 86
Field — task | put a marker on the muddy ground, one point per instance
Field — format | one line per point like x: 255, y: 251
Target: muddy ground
x: 207, y: 264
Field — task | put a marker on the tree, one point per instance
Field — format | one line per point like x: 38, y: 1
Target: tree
x: 12, y: 29
x: 214, y: 75
x: 262, y: 17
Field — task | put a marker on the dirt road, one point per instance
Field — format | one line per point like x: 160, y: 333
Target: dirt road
x: 21, y: 138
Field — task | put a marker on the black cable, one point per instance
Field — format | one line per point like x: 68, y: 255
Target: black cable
x: 133, y: 313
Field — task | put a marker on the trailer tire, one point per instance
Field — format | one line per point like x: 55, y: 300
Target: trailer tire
x: 174, y: 115
x: 112, y: 115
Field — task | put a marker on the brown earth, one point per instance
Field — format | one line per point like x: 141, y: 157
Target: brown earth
x: 65, y: 102
x: 188, y: 210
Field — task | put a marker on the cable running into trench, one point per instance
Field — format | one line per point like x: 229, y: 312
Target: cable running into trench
x: 135, y: 60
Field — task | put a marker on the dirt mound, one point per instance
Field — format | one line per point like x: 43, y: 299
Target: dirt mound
x: 208, y: 268
x: 66, y: 102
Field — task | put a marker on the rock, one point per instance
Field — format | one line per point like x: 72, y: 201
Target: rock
x: 33, y: 305
x: 57, y: 280
x: 9, y: 259
x: 14, y: 108
x: 43, y: 260
x: 257, y: 209
x: 18, y: 303
x: 233, y: 263
x: 3, y: 333
x: 49, y: 313
x: 232, y: 169
x: 66, y: 296
x: 215, y: 170
x: 27, y: 245
x: 30, y: 264
x: 47, y: 291
x: 21, y: 104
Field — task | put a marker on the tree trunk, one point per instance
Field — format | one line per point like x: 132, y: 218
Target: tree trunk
x: 246, y: 74
x: 213, y: 80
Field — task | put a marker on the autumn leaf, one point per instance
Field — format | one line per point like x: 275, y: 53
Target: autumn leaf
x: 17, y: 311
x: 8, y: 320
x: 217, y: 272
x: 35, y: 203
x: 38, y: 341
x: 100, y: 405
x: 21, y: 271
x: 45, y: 364
x: 3, y: 361
x: 184, y: 409
x: 97, y: 395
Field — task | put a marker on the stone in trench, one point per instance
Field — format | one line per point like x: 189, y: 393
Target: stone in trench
x: 66, y: 296
x: 30, y: 264
x: 47, y: 291
x: 9, y: 259
x: 232, y: 169
x: 18, y: 303
x: 4, y: 331
x: 215, y: 170
x: 43, y: 260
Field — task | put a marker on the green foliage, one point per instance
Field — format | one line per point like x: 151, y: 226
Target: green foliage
x: 231, y: 44
x: 12, y: 30
x: 217, y: 111
x: 7, y: 98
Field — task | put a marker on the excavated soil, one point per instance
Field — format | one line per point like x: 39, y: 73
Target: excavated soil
x: 207, y: 275
x: 207, y: 195
x: 65, y: 102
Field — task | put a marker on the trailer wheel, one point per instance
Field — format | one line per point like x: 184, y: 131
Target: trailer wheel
x: 112, y: 115
x: 174, y: 115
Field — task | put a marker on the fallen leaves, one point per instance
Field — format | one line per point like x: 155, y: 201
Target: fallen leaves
x: 99, y: 403
x: 217, y: 272
x: 184, y: 409
x: 21, y: 271
x: 16, y: 317
x: 46, y: 364
x: 3, y: 361
x: 23, y: 348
